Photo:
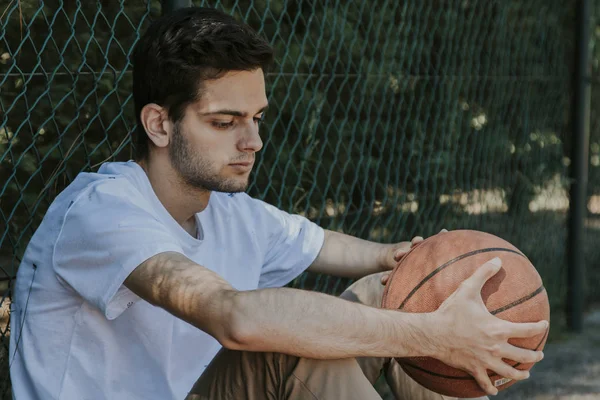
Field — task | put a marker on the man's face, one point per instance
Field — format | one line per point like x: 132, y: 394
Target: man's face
x: 213, y: 147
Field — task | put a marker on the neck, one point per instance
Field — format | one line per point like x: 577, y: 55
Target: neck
x: 181, y: 201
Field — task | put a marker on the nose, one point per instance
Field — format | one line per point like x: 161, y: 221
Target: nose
x: 250, y: 141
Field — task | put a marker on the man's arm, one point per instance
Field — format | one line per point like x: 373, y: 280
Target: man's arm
x: 461, y: 333
x: 350, y: 257
x: 284, y: 320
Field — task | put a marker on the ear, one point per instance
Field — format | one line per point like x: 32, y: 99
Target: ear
x: 156, y: 123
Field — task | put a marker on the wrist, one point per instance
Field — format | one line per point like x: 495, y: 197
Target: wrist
x: 432, y: 326
x: 428, y: 329
x: 416, y: 335
x: 384, y: 256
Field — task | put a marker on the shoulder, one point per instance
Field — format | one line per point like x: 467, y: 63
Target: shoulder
x: 112, y: 183
x: 106, y: 215
x: 90, y: 188
x: 108, y: 193
x: 94, y: 202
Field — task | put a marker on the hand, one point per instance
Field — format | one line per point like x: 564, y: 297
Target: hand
x: 465, y: 335
x: 398, y: 251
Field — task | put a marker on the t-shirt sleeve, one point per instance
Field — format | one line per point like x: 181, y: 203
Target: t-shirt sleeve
x: 293, y: 242
x: 104, y: 237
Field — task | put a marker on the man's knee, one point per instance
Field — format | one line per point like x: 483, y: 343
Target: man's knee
x: 367, y: 290
x: 251, y: 375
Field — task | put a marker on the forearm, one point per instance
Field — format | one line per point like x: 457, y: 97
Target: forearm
x: 315, y: 325
x: 291, y: 321
x: 350, y: 257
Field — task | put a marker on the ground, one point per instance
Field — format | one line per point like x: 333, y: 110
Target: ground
x: 570, y: 369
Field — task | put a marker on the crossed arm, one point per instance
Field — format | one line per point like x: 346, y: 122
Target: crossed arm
x: 282, y: 320
x: 276, y: 320
x: 316, y: 325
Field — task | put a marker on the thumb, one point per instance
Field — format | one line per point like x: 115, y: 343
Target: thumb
x: 484, y: 273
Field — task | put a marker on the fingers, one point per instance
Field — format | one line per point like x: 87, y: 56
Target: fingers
x: 483, y: 274
x: 527, y: 329
x: 514, y: 353
x: 500, y: 368
x: 416, y: 240
x: 506, y: 371
x: 483, y: 380
x: 384, y: 279
x: 401, y: 252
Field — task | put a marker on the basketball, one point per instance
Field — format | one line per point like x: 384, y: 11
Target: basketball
x: 434, y: 269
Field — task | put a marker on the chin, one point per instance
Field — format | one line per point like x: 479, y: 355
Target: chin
x: 242, y: 187
x: 236, y: 185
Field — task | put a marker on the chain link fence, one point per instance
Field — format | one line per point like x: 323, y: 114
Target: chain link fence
x: 387, y: 119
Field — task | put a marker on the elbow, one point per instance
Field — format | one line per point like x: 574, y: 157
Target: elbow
x: 237, y: 327
x: 233, y: 338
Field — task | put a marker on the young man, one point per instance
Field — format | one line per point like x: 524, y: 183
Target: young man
x: 147, y: 272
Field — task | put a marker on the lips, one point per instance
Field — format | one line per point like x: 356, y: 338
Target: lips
x: 242, y: 164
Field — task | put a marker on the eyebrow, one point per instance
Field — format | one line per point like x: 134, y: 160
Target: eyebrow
x: 235, y: 113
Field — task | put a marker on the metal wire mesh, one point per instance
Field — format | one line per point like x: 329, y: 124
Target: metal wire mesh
x: 387, y: 119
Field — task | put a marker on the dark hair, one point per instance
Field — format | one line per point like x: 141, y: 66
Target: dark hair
x: 181, y: 50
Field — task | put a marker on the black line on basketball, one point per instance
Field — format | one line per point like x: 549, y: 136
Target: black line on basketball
x: 519, y: 301
x: 443, y: 266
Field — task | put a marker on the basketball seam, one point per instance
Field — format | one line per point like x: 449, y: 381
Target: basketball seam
x: 519, y: 301
x: 448, y: 263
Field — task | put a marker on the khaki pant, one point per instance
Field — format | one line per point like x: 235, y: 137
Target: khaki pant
x: 240, y: 375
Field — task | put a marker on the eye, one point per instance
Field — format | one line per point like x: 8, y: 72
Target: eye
x: 260, y: 119
x: 222, y: 125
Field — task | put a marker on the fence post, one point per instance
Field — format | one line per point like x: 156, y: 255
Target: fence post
x: 172, y: 5
x: 579, y: 169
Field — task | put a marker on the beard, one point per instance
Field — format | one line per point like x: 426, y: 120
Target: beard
x: 197, y: 171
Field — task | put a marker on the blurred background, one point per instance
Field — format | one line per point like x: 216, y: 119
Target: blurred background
x: 387, y: 119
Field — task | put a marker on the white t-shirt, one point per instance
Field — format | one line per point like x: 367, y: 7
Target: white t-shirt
x: 79, y: 333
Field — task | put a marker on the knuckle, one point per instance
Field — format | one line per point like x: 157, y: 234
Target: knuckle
x: 497, y: 331
x: 502, y: 333
x: 496, y: 350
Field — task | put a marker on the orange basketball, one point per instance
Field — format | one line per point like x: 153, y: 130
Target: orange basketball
x: 434, y: 269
